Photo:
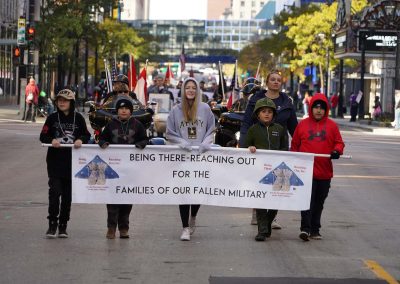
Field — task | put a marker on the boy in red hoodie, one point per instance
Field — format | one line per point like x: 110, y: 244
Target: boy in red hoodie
x: 320, y: 135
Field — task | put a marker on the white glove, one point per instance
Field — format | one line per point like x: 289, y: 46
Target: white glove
x: 186, y: 146
x: 204, y: 148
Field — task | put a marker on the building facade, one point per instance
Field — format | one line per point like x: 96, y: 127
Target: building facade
x: 202, y: 38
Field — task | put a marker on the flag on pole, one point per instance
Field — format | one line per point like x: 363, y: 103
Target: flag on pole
x: 233, y: 88
x: 221, y: 84
x: 108, y: 76
x: 141, y: 87
x: 258, y: 71
x: 114, y: 72
x: 169, y: 75
x: 132, y: 73
x: 182, y: 59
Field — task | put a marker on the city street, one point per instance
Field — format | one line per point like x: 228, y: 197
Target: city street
x: 361, y: 229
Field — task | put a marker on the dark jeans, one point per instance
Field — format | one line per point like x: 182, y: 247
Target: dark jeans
x: 311, y: 219
x: 353, y: 112
x: 118, y: 214
x: 264, y: 220
x: 184, y: 211
x: 59, y: 210
x: 30, y: 109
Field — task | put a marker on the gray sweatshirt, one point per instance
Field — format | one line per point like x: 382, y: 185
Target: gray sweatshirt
x: 201, y: 131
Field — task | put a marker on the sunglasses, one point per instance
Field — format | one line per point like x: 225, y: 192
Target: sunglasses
x: 122, y: 92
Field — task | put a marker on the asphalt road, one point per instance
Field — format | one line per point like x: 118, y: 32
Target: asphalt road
x: 361, y: 229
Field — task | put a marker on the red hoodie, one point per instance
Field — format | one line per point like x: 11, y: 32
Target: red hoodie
x: 320, y: 137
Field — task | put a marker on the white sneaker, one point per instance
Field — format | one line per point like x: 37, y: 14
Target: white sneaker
x: 192, y: 224
x: 275, y: 225
x: 185, y: 236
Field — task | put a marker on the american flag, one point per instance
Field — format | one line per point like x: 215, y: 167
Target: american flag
x: 114, y: 72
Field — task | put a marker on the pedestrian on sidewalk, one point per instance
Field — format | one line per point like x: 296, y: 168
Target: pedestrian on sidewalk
x: 397, y: 116
x: 124, y: 129
x: 320, y: 135
x: 334, y: 99
x: 306, y: 103
x: 353, y: 107
x: 31, y: 100
x: 285, y: 115
x: 190, y: 123
x: 65, y: 126
x: 266, y: 134
x: 377, y: 108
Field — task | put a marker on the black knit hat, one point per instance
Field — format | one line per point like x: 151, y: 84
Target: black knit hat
x: 124, y: 103
x: 321, y: 104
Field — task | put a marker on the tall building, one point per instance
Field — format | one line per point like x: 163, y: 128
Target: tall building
x: 217, y: 8
x: 10, y: 10
x: 134, y: 9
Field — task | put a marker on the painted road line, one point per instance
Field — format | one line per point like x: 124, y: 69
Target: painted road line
x: 368, y: 177
x: 380, y: 272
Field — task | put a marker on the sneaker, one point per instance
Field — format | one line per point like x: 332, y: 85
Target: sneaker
x: 253, y: 218
x: 316, y: 236
x: 110, y: 233
x: 62, y: 231
x: 275, y: 225
x: 260, y: 237
x: 192, y: 224
x: 123, y: 234
x: 185, y: 236
x: 52, y: 231
x: 304, y: 236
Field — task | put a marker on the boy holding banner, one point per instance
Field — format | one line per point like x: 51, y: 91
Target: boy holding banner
x: 124, y: 129
x: 65, y: 126
x: 270, y: 136
x: 320, y: 135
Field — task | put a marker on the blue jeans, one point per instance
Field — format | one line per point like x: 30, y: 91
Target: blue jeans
x: 311, y: 219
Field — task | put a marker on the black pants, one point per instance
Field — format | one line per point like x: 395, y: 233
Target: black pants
x: 118, y: 215
x: 264, y: 219
x: 59, y: 199
x: 30, y: 112
x: 311, y: 219
x: 184, y: 211
x: 353, y: 112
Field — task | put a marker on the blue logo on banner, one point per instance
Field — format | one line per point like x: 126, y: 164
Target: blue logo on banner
x: 96, y: 172
x: 281, y: 178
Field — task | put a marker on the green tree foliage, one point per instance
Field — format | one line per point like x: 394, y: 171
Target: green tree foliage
x: 66, y: 27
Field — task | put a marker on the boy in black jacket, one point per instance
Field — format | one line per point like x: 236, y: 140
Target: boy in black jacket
x: 65, y: 126
x: 124, y: 129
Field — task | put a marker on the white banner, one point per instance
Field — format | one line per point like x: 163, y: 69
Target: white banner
x: 168, y: 175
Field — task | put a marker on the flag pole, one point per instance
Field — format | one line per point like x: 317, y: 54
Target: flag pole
x: 221, y: 79
x: 258, y: 70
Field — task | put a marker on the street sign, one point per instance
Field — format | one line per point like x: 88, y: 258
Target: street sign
x: 379, y: 41
x: 21, y: 40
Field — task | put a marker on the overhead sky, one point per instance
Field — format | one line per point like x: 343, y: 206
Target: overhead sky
x: 178, y: 10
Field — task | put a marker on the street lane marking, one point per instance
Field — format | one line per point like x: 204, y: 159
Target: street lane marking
x: 368, y: 177
x: 380, y: 272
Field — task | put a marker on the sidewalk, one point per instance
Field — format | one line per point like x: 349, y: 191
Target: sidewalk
x: 11, y: 112
x: 374, y: 128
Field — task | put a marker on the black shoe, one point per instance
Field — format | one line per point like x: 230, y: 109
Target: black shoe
x: 316, y: 236
x: 52, y: 230
x: 304, y: 236
x: 62, y: 231
x: 261, y: 237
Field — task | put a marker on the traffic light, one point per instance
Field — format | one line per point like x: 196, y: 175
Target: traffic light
x: 31, y: 34
x: 16, y: 55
